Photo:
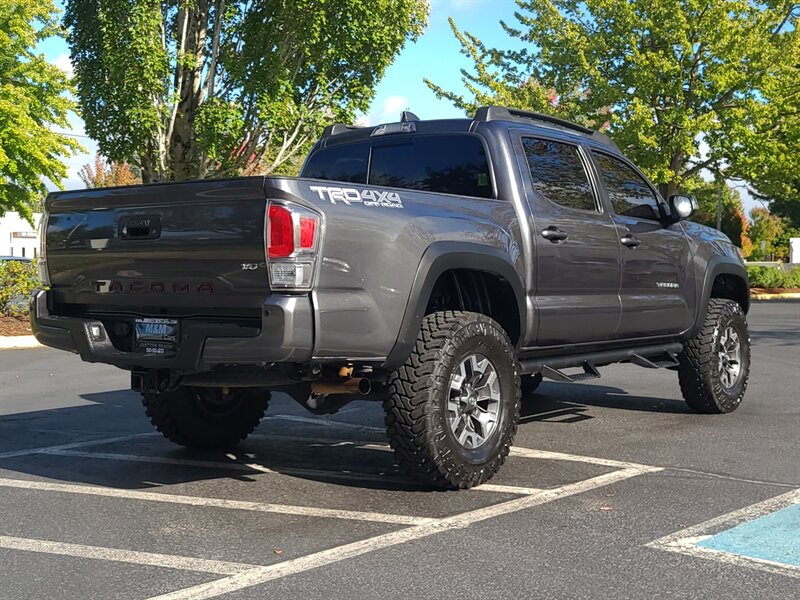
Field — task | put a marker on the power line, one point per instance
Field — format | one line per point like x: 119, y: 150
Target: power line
x: 76, y: 135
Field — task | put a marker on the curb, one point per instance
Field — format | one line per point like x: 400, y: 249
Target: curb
x: 18, y: 342
x: 775, y: 296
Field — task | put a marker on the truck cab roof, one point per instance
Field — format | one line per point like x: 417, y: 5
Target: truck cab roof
x: 492, y: 116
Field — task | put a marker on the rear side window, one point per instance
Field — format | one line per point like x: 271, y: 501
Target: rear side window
x: 558, y: 173
x: 450, y: 164
x: 627, y: 190
x: 344, y: 162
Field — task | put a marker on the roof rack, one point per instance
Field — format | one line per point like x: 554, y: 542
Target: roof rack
x: 501, y: 113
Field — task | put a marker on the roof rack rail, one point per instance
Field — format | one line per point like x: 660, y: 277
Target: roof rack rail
x: 501, y: 113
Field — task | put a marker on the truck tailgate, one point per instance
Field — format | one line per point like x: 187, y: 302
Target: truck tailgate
x: 165, y: 249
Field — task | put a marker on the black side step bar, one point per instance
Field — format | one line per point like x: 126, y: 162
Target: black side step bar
x: 589, y: 372
x: 665, y: 361
x: 652, y: 357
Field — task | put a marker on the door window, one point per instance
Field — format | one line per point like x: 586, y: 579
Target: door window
x: 558, y: 174
x: 627, y: 190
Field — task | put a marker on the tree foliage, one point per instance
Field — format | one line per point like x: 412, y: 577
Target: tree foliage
x: 33, y: 101
x: 189, y: 88
x: 769, y: 156
x: 734, y: 222
x: 108, y: 174
x: 663, y: 75
x: 769, y: 229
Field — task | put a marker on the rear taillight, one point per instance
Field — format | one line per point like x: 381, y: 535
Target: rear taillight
x: 41, y: 263
x: 280, y: 232
x: 292, y: 233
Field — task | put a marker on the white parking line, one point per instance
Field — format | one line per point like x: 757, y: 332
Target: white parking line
x: 96, y: 442
x: 325, y: 423
x: 685, y: 541
x: 290, y: 471
x: 285, y: 509
x: 547, y: 455
x: 168, y: 561
x: 326, y: 557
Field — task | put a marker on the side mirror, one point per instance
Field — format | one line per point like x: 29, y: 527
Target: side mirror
x: 682, y: 206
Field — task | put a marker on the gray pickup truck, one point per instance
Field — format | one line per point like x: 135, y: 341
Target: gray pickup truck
x: 440, y: 267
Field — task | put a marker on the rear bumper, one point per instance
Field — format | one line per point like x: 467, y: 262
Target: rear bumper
x: 286, y: 335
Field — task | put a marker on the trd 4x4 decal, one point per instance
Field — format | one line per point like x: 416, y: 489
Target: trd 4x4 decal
x: 351, y: 195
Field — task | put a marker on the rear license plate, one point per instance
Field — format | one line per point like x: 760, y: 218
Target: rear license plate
x: 156, y: 336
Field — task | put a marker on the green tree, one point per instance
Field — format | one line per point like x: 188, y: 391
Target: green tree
x: 769, y: 229
x: 33, y: 100
x: 662, y: 75
x: 189, y: 88
x: 769, y: 152
x: 734, y: 223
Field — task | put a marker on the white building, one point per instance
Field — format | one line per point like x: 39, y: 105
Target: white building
x: 17, y: 237
x: 794, y: 251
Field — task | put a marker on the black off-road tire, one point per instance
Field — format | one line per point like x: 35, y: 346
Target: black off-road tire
x: 699, y: 369
x: 530, y: 383
x: 416, y: 410
x: 204, y: 417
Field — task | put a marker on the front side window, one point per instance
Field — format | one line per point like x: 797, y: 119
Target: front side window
x: 558, y: 173
x: 449, y: 164
x: 627, y: 190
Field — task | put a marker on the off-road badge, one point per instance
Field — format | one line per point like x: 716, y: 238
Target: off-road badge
x: 350, y: 196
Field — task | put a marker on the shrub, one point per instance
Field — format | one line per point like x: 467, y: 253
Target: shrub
x: 18, y: 280
x: 773, y: 277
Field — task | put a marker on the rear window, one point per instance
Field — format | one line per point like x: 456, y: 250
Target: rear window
x: 449, y: 164
x: 345, y: 162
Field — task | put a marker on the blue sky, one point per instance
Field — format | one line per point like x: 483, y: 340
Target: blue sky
x: 434, y: 55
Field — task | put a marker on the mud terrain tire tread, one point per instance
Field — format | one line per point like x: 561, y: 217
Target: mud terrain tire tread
x: 417, y: 428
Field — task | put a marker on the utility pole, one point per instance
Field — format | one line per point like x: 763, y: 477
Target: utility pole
x: 719, y: 207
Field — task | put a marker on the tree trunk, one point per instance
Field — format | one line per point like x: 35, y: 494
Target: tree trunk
x: 183, y: 148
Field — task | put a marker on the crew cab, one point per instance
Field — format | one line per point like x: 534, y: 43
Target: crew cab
x: 442, y: 268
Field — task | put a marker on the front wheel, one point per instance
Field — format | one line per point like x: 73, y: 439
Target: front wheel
x: 453, y: 407
x: 715, y: 365
x: 209, y: 418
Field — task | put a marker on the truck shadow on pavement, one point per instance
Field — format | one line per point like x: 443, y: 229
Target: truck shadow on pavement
x: 110, y: 443
x: 570, y: 403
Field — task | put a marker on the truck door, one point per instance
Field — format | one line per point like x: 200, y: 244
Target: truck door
x: 655, y: 255
x: 577, y: 268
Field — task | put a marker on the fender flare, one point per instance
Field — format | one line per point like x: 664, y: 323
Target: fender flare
x: 717, y: 265
x: 438, y: 258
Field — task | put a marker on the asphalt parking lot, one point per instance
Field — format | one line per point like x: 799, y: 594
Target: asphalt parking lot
x: 614, y: 490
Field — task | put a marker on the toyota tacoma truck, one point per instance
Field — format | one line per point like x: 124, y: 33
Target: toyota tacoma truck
x: 440, y: 267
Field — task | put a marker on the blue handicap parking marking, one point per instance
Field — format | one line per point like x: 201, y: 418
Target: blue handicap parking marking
x: 774, y: 537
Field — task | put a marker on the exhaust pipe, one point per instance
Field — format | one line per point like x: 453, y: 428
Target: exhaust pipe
x: 354, y: 385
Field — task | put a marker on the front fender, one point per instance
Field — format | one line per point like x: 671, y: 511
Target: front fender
x: 717, y: 265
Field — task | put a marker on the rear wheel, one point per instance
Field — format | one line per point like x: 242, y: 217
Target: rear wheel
x: 453, y: 406
x: 206, y: 417
x: 715, y: 365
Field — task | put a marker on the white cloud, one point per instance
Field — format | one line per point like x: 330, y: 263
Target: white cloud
x: 64, y: 63
x: 388, y: 113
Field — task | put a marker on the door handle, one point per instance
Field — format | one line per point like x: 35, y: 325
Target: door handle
x: 554, y: 234
x: 630, y: 241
